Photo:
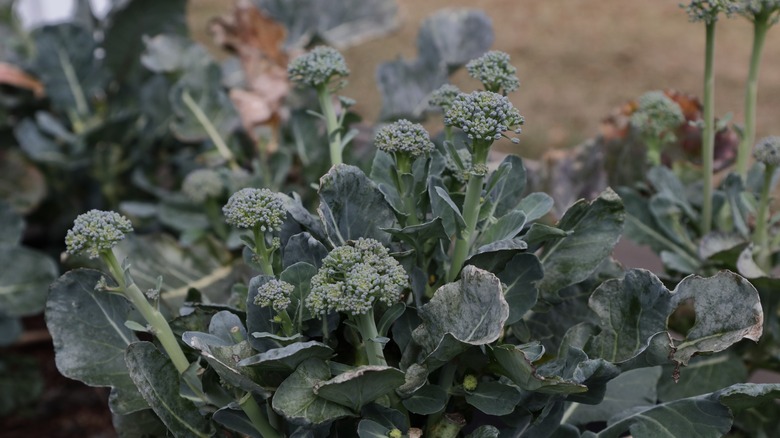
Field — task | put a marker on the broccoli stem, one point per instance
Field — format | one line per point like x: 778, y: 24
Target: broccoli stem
x: 367, y: 328
x: 404, y: 165
x: 156, y: 320
x: 761, y: 25
x: 708, y: 138
x: 263, y: 253
x: 256, y: 416
x: 211, y: 130
x: 761, y: 234
x: 332, y: 123
x: 471, y: 207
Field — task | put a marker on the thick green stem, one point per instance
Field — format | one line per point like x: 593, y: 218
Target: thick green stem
x: 156, y: 320
x: 760, y: 28
x: 211, y: 130
x: 708, y: 137
x: 761, y: 235
x: 263, y: 253
x: 404, y: 166
x: 332, y: 123
x: 367, y: 328
x: 256, y: 416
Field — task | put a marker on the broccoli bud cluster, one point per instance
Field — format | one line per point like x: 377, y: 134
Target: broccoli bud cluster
x: 250, y: 208
x: 275, y: 293
x: 753, y: 8
x: 96, y: 231
x: 202, y: 184
x: 657, y: 116
x: 444, y: 96
x: 484, y: 115
x: 494, y: 71
x: 404, y: 137
x: 708, y: 10
x: 767, y: 151
x: 317, y: 67
x: 355, y: 276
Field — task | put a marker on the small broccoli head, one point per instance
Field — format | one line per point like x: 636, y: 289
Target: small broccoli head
x: 484, y: 116
x: 96, y: 232
x: 754, y: 9
x: 470, y: 382
x: 443, y: 96
x: 494, y: 71
x: 355, y: 276
x: 657, y: 117
x: 202, y: 184
x: 767, y: 151
x: 274, y: 293
x: 318, y: 67
x: 255, y: 208
x: 404, y: 137
x: 708, y: 10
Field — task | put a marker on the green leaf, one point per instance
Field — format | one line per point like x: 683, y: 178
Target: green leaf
x: 507, y: 186
x: 494, y: 398
x: 288, y: 358
x: 10, y: 329
x: 443, y: 207
x: 494, y: 256
x: 123, y: 41
x: 417, y: 235
x: 11, y: 225
x: 627, y: 391
x: 595, y: 229
x: 536, y: 205
x: 454, y: 37
x: 389, y: 317
x: 406, y: 86
x: 260, y: 319
x: 167, y: 53
x: 516, y: 363
x: 669, y: 218
x: 727, y: 310
x: 666, y: 184
x: 484, y: 432
x: 234, y: 418
x: 702, y: 375
x: 471, y: 311
x: 296, y: 400
x: 88, y: 332
x: 747, y: 395
x: 427, y: 400
x: 299, y: 275
x: 303, y: 247
x: 507, y: 227
x: 158, y: 382
x: 24, y: 280
x: 201, y: 108
x: 360, y: 386
x: 351, y: 206
x: 520, y: 276
x: 22, y: 184
x: 372, y: 429
x: 539, y: 233
x: 630, y: 311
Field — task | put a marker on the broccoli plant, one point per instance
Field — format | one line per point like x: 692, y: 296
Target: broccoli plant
x: 427, y: 297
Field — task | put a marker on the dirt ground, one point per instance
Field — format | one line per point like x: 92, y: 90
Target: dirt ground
x: 579, y: 59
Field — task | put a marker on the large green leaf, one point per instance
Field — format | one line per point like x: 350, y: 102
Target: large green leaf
x: 471, y: 311
x: 443, y: 207
x: 11, y: 224
x: 630, y: 310
x: 594, y: 230
x: 158, y: 381
x: 454, y: 37
x: 303, y: 247
x: 520, y: 276
x: 507, y: 186
x: 351, y: 206
x: 507, y: 227
x: 299, y: 275
x: 201, y: 107
x: 427, y: 400
x: 516, y: 363
x: 727, y: 309
x: 360, y: 386
x: 628, y: 390
x: 702, y: 375
x: 289, y: 357
x: 24, y: 279
x: 88, y: 332
x: 296, y: 400
x: 494, y: 398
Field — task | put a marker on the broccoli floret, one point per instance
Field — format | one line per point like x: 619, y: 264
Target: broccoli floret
x: 355, y: 276
x: 96, y: 232
x: 444, y: 96
x: 250, y: 208
x: 752, y: 9
x: 202, y: 184
x: 404, y: 138
x: 767, y: 151
x: 657, y: 117
x: 494, y: 71
x: 275, y: 293
x: 317, y: 67
x: 484, y: 116
x: 708, y: 10
x: 470, y: 382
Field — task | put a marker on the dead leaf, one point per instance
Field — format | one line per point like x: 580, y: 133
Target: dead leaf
x: 16, y: 77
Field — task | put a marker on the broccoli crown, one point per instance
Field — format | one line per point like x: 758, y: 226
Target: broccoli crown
x: 708, y: 10
x: 317, y: 67
x: 275, y: 293
x: 444, y: 96
x: 250, y: 208
x: 404, y: 137
x: 96, y: 231
x: 483, y: 115
x: 202, y: 184
x: 767, y: 151
x: 753, y: 8
x: 494, y: 71
x: 657, y: 116
x: 395, y: 433
x: 354, y: 276
x: 470, y: 382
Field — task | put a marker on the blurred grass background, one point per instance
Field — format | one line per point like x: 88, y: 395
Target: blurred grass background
x: 576, y: 60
